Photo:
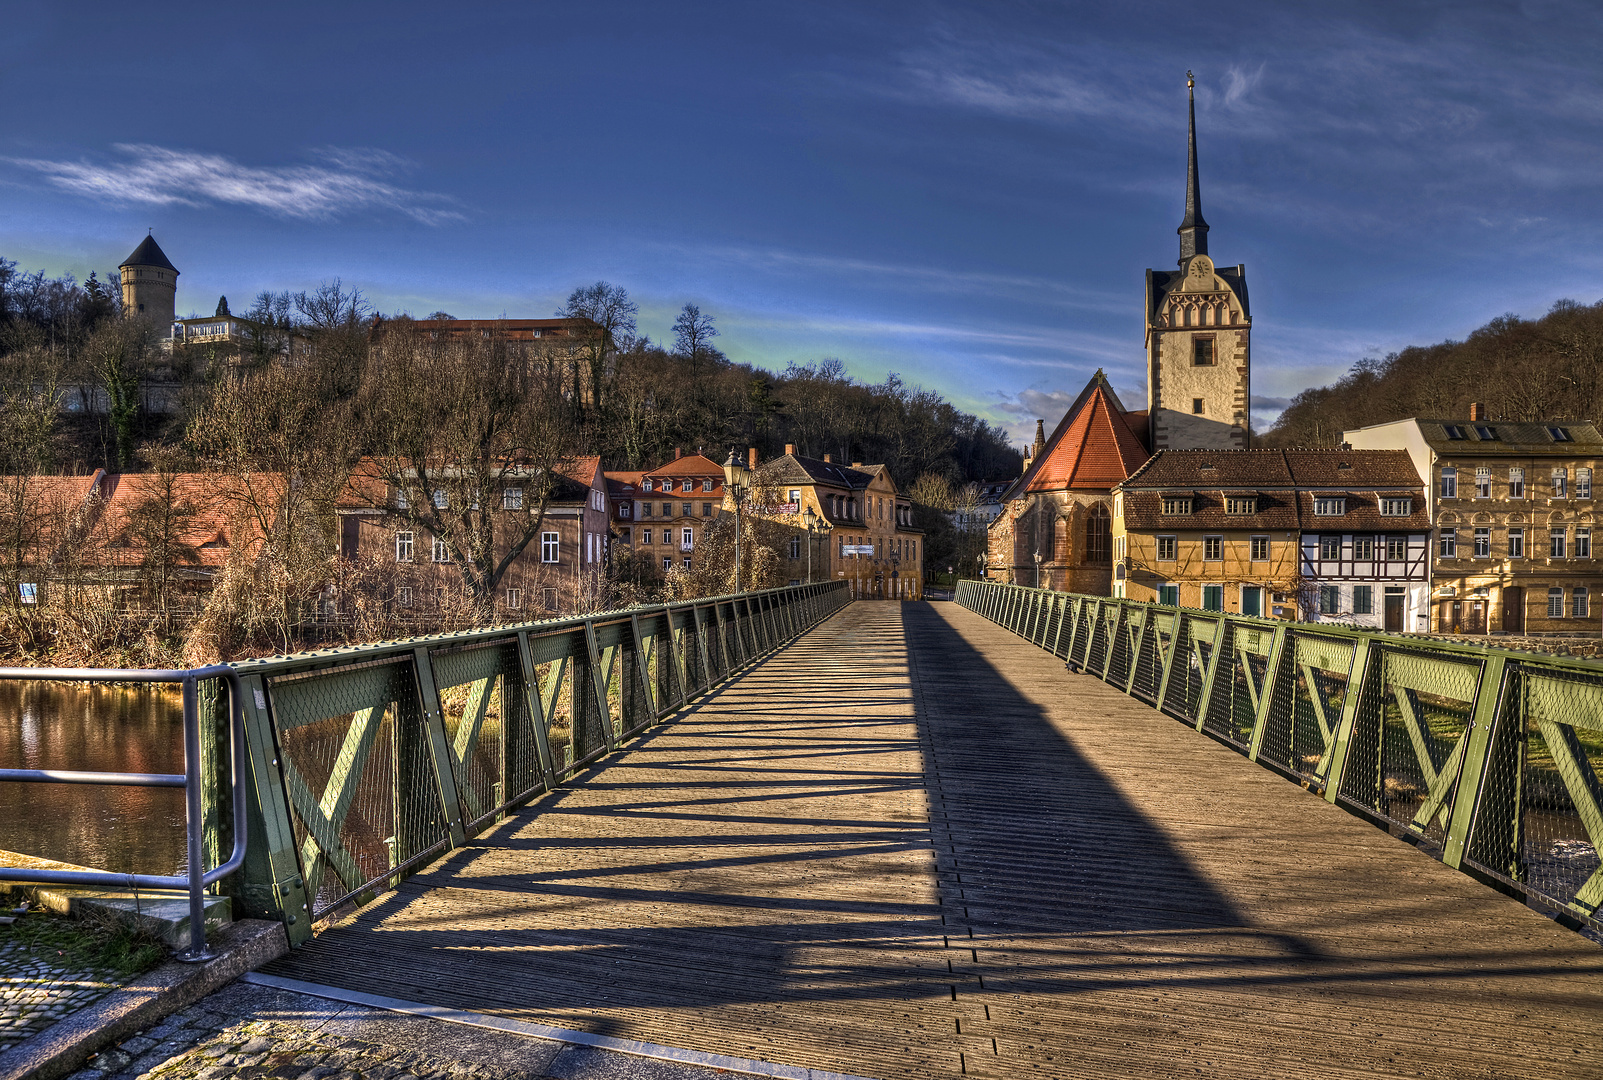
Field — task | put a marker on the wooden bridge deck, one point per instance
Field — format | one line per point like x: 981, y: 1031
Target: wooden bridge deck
x: 911, y: 845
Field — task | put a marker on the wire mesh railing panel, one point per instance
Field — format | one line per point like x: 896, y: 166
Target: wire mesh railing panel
x: 359, y: 777
x: 1148, y: 660
x: 1314, y: 692
x: 1410, y: 732
x: 473, y: 704
x: 1096, y: 646
x: 1545, y: 830
x: 1119, y: 651
x: 1233, y: 698
x: 1189, y: 677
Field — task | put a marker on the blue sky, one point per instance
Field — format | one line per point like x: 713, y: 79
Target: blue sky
x: 966, y: 194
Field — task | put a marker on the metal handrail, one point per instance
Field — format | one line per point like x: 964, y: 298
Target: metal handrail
x: 196, y: 880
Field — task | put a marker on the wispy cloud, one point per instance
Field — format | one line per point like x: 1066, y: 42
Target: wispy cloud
x: 346, y: 181
x: 1052, y: 291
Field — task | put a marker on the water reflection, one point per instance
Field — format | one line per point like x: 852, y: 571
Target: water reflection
x: 109, y: 728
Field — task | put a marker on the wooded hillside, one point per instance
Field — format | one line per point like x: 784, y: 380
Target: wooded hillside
x: 1521, y: 369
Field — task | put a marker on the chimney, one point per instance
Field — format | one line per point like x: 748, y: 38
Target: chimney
x: 790, y: 448
x: 1476, y: 411
x: 751, y: 458
x: 829, y: 459
x: 857, y: 464
x: 678, y: 453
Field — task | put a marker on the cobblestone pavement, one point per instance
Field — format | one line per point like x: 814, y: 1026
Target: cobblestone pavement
x: 248, y: 1031
x: 35, y: 993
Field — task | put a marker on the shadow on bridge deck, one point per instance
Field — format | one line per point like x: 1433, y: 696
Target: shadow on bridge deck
x: 911, y: 845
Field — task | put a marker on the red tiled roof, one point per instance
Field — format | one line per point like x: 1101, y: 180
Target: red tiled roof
x: 1092, y: 447
x: 620, y: 483
x: 210, y: 522
x: 689, y: 465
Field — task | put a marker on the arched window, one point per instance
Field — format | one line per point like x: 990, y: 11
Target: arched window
x: 1098, y: 535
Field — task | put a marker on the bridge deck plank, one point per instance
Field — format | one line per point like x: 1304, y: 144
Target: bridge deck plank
x: 912, y: 845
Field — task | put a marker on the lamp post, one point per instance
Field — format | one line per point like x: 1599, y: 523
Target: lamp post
x: 1038, y: 568
x: 737, y: 480
x: 810, y: 523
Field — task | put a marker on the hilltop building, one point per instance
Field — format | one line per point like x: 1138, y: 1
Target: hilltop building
x: 150, y: 284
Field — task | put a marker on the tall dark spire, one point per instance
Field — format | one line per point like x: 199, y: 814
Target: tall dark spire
x: 1193, y: 230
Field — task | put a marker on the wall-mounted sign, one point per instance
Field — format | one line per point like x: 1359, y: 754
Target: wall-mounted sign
x: 857, y: 549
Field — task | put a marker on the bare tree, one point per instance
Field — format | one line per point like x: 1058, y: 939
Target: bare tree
x: 613, y: 313
x: 119, y: 356
x: 467, y: 437
x: 692, y: 336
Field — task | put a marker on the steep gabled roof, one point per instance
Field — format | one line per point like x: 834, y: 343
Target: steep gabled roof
x: 689, y: 465
x: 795, y: 469
x: 148, y: 253
x: 1093, y: 447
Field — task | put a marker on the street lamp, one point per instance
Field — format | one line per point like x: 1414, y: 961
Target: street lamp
x: 737, y: 481
x: 810, y: 523
x: 1038, y: 568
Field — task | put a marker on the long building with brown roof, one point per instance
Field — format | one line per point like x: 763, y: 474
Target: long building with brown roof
x: 1327, y: 535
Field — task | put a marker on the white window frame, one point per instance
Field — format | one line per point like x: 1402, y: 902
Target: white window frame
x: 404, y: 546
x: 1583, y: 482
x: 1170, y: 544
x: 1555, y: 599
x: 1516, y: 482
x: 1447, y: 544
x: 1396, y: 507
x: 514, y: 599
x: 1583, y: 542
x: 1330, y: 507
x: 1516, y: 543
x: 438, y: 552
x: 1449, y: 482
x: 1556, y: 542
x: 1218, y: 543
x: 442, y: 501
x: 1483, y: 481
x: 1254, y: 548
x: 512, y: 498
x: 687, y: 539
x: 550, y: 547
x: 1561, y: 483
x: 1483, y: 543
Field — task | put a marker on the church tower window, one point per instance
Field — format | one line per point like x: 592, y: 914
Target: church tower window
x: 1202, y: 352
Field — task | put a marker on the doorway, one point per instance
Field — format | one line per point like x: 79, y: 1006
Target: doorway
x: 1251, y: 600
x: 1394, y: 612
x: 1514, y: 609
x: 1475, y: 617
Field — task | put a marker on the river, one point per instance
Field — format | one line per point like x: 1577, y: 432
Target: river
x: 93, y: 727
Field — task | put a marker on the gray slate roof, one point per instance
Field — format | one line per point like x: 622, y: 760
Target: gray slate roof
x: 148, y: 253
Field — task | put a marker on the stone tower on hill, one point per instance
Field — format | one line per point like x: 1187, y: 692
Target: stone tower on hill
x: 1198, y: 338
x: 150, y: 285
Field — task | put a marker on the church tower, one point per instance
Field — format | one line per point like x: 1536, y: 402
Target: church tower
x: 150, y: 285
x: 1198, y: 330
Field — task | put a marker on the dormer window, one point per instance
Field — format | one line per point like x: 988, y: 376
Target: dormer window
x: 645, y: 485
x: 1241, y: 504
x: 1558, y: 434
x: 1176, y: 504
x: 1454, y: 432
x: 1396, y: 507
x: 1485, y: 433
x: 1329, y: 506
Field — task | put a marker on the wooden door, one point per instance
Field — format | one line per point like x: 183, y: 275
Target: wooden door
x: 1514, y: 609
x: 1394, y: 613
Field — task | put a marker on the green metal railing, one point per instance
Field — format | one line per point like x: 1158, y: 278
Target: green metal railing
x: 1487, y: 758
x: 366, y: 763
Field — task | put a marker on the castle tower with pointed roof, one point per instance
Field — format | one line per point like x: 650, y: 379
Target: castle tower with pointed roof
x: 1198, y: 337
x: 150, y: 285
x: 1061, y: 507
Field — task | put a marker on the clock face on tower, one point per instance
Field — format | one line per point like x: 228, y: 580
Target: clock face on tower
x: 1200, y: 269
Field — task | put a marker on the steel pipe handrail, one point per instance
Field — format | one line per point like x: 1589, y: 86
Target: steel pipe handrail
x: 197, y: 878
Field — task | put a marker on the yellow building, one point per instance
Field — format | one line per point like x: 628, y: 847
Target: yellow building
x: 866, y: 535
x: 1330, y: 535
